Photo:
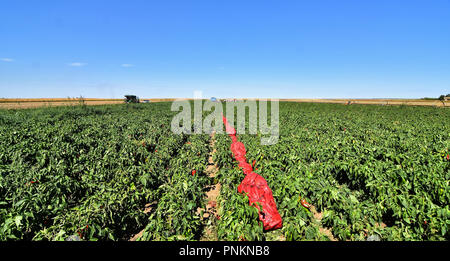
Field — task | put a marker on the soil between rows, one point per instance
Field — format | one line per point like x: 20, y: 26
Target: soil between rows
x: 210, y: 213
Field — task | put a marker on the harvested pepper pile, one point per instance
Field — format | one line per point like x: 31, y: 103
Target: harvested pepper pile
x: 255, y: 186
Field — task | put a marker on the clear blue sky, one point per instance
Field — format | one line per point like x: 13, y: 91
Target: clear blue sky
x: 280, y: 49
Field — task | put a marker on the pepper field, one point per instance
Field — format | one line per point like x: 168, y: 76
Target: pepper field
x: 117, y: 172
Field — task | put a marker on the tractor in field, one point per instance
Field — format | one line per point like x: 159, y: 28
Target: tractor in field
x: 131, y: 99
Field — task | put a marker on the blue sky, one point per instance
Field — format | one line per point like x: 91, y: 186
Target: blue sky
x: 278, y: 49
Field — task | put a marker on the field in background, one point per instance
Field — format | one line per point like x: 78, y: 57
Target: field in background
x: 414, y: 102
x: 50, y: 102
x: 53, y: 102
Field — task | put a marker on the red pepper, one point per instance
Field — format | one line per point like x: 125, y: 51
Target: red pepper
x: 448, y: 156
x: 193, y: 172
x: 254, y: 162
x: 305, y: 204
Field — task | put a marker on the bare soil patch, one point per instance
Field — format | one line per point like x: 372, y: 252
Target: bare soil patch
x: 148, y: 208
x: 318, y: 219
x: 210, y: 211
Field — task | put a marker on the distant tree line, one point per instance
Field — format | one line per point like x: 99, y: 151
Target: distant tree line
x: 442, y: 97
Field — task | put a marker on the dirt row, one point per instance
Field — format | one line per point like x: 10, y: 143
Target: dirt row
x: 212, y: 192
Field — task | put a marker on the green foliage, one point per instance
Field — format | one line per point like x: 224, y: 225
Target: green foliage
x: 363, y: 167
x: 90, y: 171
